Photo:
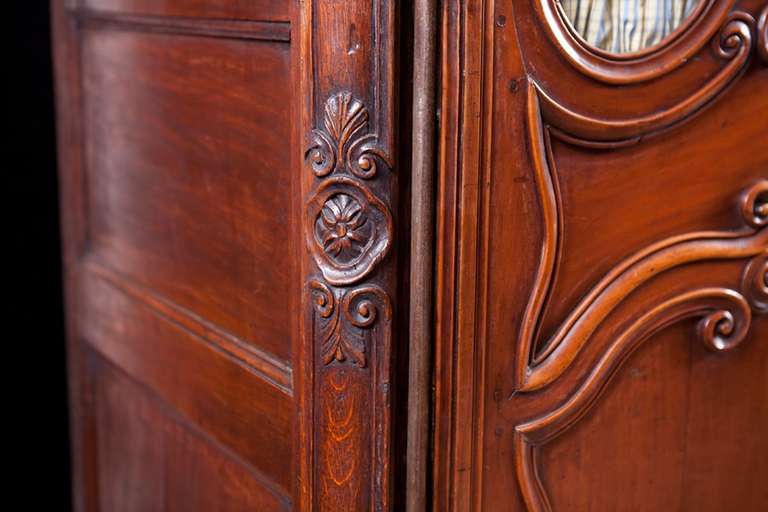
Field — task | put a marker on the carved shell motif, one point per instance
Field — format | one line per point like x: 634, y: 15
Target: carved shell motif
x: 349, y: 229
x: 343, y: 145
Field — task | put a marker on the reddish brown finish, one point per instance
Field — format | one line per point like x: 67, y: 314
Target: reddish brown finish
x: 236, y: 209
x: 350, y: 185
x: 231, y: 300
x: 263, y: 10
x: 599, y: 216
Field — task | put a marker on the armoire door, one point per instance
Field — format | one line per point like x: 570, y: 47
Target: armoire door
x: 230, y: 210
x: 602, y: 272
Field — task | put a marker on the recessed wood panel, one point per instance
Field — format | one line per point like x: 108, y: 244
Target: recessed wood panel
x: 211, y: 389
x: 227, y: 9
x: 670, y: 433
x: 150, y: 459
x: 654, y: 191
x: 188, y: 175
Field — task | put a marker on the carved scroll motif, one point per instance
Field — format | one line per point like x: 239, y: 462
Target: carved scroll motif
x: 733, y: 43
x: 724, y: 314
x: 349, y: 230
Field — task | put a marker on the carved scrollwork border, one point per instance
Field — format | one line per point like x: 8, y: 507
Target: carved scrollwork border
x: 725, y: 314
x: 641, y: 66
x: 348, y: 229
x: 732, y: 35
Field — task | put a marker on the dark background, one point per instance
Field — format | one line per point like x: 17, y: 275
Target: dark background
x: 36, y: 395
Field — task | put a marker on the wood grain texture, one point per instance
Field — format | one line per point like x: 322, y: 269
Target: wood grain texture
x: 271, y: 10
x: 182, y: 207
x: 228, y: 29
x: 181, y: 220
x: 421, y: 280
x: 610, y: 202
x: 140, y: 432
x: 350, y: 184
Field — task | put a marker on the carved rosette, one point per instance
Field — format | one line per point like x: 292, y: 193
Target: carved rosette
x: 348, y: 232
x: 348, y: 228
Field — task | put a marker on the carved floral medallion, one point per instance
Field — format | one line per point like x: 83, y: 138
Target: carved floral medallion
x: 342, y: 227
x: 348, y: 230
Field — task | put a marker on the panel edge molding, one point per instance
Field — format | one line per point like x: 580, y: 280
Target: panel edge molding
x: 738, y: 36
x: 724, y: 314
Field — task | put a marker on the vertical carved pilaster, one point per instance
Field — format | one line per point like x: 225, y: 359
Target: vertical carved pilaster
x: 349, y: 186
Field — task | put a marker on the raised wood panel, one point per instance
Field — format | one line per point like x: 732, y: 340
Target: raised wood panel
x: 564, y: 179
x: 194, y: 377
x: 644, y: 441
x: 139, y: 435
x: 199, y: 212
x: 224, y: 9
x: 231, y: 184
x: 658, y: 200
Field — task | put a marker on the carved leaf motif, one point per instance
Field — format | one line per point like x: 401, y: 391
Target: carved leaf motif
x: 345, y: 315
x: 342, y: 145
x: 343, y: 117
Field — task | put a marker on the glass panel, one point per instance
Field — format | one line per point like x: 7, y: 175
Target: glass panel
x: 625, y: 26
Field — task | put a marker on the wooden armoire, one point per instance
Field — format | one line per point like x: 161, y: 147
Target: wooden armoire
x: 370, y: 255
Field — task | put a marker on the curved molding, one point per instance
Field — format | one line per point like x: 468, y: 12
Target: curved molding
x: 734, y: 44
x: 648, y: 64
x: 725, y: 321
x: 762, y: 34
x: 537, y: 370
x: 562, y: 349
x: 551, y: 223
x: 725, y: 314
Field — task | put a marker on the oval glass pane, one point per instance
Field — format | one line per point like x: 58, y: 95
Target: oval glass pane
x: 626, y: 26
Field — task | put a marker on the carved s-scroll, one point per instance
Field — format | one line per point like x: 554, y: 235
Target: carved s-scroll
x: 733, y: 44
x: 725, y: 320
x: 725, y: 315
x: 348, y: 231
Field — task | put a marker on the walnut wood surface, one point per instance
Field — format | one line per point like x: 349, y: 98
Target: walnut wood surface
x: 598, y: 215
x: 231, y: 211
x: 236, y: 207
